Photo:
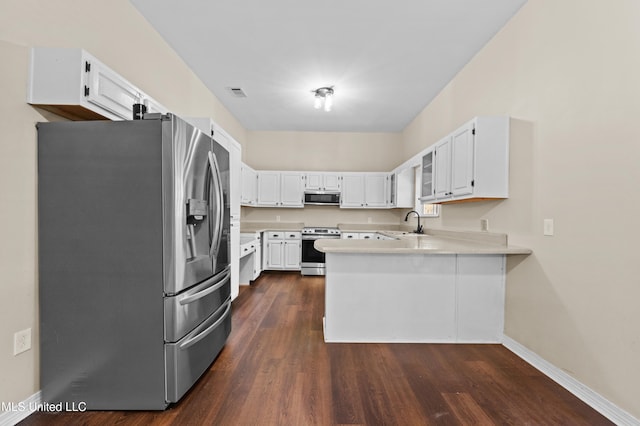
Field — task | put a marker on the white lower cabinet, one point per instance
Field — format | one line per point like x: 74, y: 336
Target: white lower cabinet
x: 250, y: 258
x: 292, y: 248
x: 282, y: 250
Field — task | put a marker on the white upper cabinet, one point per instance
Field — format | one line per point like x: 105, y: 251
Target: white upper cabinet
x: 249, y: 178
x: 365, y: 190
x: 471, y: 163
x: 291, y: 189
x: 352, y: 190
x: 76, y: 85
x: 280, y: 189
x: 402, y: 188
x: 109, y: 91
x: 322, y: 181
x: 428, y: 191
x: 376, y: 190
x: 442, y: 167
x: 462, y: 161
x: 268, y: 189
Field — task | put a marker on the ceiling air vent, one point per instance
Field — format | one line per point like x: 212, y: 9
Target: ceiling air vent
x: 237, y: 92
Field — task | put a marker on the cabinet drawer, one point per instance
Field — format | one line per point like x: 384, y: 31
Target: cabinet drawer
x: 190, y: 357
x: 275, y: 235
x: 248, y: 248
x: 292, y: 235
x: 188, y: 309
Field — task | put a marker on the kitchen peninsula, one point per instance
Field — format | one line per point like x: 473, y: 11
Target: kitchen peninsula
x: 440, y: 287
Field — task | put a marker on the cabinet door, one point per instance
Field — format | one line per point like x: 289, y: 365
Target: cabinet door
x: 275, y: 254
x: 352, y: 191
x: 291, y: 189
x: 428, y: 191
x: 108, y: 90
x: 313, y: 181
x: 443, y: 169
x: 405, y: 188
x: 331, y: 182
x: 268, y: 189
x: 249, y: 185
x: 257, y: 261
x: 462, y: 160
x: 375, y: 190
x: 292, y: 254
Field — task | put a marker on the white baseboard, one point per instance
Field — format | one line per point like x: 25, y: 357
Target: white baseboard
x: 586, y: 394
x: 14, y: 413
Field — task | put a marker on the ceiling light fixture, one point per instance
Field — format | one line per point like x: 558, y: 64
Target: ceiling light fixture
x: 323, y: 98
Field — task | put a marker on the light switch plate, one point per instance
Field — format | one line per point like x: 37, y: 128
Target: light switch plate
x: 548, y: 227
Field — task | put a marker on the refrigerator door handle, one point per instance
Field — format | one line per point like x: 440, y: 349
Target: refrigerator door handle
x: 199, y: 295
x: 195, y: 339
x: 216, y: 234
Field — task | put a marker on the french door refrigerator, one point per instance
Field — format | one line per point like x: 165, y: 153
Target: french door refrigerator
x: 134, y: 278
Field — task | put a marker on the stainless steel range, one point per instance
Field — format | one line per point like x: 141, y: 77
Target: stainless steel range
x: 312, y: 259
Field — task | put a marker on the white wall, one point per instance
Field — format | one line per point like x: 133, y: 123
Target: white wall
x: 568, y: 73
x: 323, y: 151
x: 116, y: 34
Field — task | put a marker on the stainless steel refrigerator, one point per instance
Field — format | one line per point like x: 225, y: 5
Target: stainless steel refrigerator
x: 134, y: 278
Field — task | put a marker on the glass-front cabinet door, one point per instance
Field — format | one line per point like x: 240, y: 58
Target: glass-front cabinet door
x: 428, y: 190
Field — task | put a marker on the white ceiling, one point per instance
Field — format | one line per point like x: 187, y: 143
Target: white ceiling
x: 387, y: 59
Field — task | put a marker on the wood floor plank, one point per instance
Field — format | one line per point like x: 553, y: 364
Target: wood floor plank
x: 276, y: 369
x: 466, y: 409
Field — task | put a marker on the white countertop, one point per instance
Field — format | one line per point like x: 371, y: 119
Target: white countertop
x: 433, y: 242
x: 247, y: 227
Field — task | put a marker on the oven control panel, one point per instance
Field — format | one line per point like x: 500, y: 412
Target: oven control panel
x: 321, y: 231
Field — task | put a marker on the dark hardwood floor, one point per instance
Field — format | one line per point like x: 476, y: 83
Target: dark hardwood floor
x: 277, y: 370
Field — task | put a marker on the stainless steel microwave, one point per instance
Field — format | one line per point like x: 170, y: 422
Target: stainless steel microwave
x: 322, y: 198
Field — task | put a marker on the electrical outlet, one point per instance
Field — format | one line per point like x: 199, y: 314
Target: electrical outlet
x: 369, y: 220
x: 277, y: 218
x: 548, y: 227
x: 484, y: 224
x: 21, y: 341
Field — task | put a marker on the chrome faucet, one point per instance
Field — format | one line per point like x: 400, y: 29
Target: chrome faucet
x: 419, y: 228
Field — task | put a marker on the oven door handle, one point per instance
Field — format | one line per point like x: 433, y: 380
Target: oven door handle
x: 319, y: 237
